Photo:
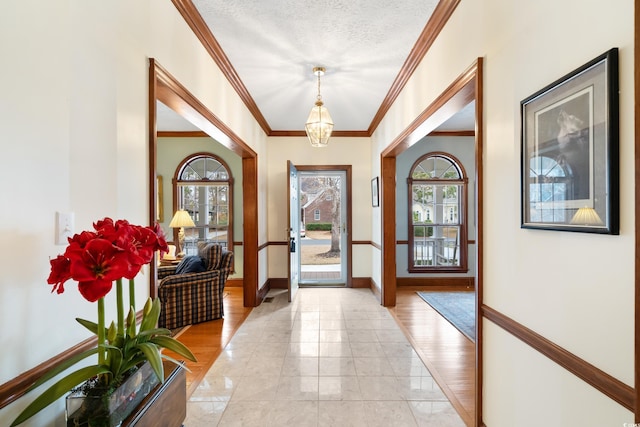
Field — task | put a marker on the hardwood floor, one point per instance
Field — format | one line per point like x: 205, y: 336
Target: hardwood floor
x: 446, y: 352
x: 207, y: 340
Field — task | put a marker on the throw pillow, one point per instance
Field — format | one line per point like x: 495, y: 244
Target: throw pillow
x: 190, y: 264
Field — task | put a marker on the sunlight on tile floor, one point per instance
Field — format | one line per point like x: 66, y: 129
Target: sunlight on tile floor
x: 333, y: 357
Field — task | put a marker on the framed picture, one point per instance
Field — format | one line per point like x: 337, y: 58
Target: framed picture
x: 570, y: 151
x: 375, y: 197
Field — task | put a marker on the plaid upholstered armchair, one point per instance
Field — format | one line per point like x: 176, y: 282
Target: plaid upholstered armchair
x: 189, y: 298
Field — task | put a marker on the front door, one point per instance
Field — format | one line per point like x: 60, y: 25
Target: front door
x: 293, y: 231
x: 322, y: 205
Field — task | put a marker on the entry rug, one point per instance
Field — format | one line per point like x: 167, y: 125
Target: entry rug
x: 459, y: 308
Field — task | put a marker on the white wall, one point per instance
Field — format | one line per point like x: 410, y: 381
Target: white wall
x: 74, y: 138
x: 551, y: 282
x: 341, y: 151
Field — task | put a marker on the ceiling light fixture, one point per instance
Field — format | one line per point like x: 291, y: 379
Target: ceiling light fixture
x: 319, y: 124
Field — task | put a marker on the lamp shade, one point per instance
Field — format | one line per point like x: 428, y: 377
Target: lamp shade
x: 181, y: 219
x: 586, y: 216
x: 319, y: 126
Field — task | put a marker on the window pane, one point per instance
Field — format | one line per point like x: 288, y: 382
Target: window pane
x: 436, y: 246
x: 204, y: 168
x: 436, y: 167
x: 436, y: 213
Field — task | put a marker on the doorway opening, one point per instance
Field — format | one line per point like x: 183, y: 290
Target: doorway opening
x: 467, y: 88
x: 323, y: 220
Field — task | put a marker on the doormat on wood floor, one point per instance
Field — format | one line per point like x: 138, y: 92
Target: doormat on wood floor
x: 459, y: 308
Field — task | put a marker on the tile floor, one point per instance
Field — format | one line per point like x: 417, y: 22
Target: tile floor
x: 333, y: 357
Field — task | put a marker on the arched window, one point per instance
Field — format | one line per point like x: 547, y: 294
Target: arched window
x: 203, y: 186
x: 437, y: 224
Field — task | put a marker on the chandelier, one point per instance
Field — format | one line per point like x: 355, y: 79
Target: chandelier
x: 319, y: 124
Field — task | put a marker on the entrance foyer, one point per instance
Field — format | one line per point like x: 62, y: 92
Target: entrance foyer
x: 331, y: 357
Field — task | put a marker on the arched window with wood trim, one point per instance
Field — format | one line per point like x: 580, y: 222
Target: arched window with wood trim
x: 203, y: 186
x: 437, y: 187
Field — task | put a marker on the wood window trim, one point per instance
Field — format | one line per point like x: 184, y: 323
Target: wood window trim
x: 462, y: 214
x: 176, y: 180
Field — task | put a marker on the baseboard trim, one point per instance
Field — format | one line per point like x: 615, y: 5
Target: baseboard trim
x: 263, y: 291
x: 457, y: 282
x: 598, y: 379
x: 356, y: 282
x: 361, y: 282
x: 278, y: 283
x: 234, y: 283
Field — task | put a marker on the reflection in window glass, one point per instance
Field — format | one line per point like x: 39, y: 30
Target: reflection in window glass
x: 549, y: 185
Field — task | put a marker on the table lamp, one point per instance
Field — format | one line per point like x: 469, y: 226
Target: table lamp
x: 180, y: 220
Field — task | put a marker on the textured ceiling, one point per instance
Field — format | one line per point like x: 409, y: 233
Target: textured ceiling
x: 273, y: 46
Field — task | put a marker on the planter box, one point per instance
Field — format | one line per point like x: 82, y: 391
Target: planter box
x: 166, y: 405
x: 95, y: 408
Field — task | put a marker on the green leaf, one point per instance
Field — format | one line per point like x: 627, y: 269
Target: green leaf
x: 174, y: 345
x: 151, y: 316
x: 129, y: 345
x: 152, y: 353
x: 91, y: 326
x: 57, y: 390
x: 177, y: 362
x: 114, y: 360
x: 135, y: 361
x: 155, y: 331
x: 61, y: 367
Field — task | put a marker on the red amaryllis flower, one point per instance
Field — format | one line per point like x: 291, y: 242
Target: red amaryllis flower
x: 78, y: 242
x: 113, y: 251
x: 146, y: 241
x: 94, y: 290
x: 118, y: 233
x: 162, y: 240
x: 98, y: 262
x: 60, y: 273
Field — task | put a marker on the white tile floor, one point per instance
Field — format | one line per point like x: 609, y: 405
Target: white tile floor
x: 333, y: 357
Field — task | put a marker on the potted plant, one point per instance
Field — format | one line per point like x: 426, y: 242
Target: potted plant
x: 129, y: 356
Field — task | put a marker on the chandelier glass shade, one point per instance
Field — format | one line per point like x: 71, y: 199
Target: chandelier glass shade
x: 319, y: 125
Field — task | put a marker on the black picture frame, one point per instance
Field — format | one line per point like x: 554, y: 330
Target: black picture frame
x: 375, y: 192
x: 570, y: 146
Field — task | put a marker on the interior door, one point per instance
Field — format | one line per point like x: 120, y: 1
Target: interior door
x: 293, y: 232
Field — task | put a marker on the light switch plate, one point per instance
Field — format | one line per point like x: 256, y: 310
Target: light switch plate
x: 64, y: 227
